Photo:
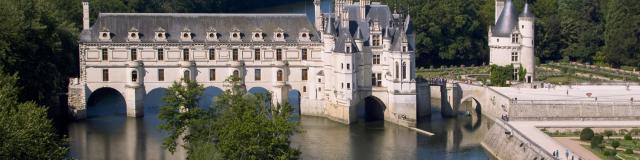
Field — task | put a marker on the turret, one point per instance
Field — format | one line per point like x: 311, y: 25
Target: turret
x: 85, y: 15
x: 386, y: 39
x: 318, y: 15
x: 329, y: 41
x: 526, y: 25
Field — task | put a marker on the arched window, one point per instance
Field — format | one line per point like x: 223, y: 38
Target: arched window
x: 404, y: 70
x: 236, y: 73
x: 279, y: 75
x: 187, y: 75
x: 397, y: 70
x: 134, y: 76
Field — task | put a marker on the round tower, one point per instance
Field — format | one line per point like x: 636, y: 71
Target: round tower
x: 526, y: 22
x: 329, y: 41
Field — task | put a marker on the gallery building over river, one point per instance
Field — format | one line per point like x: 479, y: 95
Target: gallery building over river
x: 360, y: 55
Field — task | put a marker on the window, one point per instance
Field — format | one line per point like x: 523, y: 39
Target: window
x: 376, y: 79
x: 304, y: 54
x: 105, y: 75
x: 341, y: 65
x: 404, y: 48
x: 134, y: 76
x: 278, y: 54
x: 376, y: 40
x: 235, y: 55
x: 185, y: 54
x: 258, y: 75
x: 304, y: 74
x: 160, y: 74
x: 134, y: 54
x: 515, y: 38
x: 397, y: 71
x: 304, y: 88
x: 348, y: 66
x: 342, y: 85
x: 319, y: 80
x: 236, y: 73
x: 160, y: 54
x: 348, y: 85
x: 348, y: 49
x: 257, y: 54
x: 376, y: 59
x: 187, y: 75
x: 212, y: 54
x: 514, y: 56
x: 404, y: 70
x: 105, y: 54
x: 212, y: 74
x: 279, y: 75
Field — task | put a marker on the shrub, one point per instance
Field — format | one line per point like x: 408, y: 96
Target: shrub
x: 608, y: 133
x: 586, y: 134
x: 628, y: 137
x: 610, y: 153
x: 615, y: 144
x: 596, y: 141
x: 628, y: 151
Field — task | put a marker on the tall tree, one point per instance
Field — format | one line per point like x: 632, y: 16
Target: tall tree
x: 25, y: 131
x: 548, y: 40
x: 581, y: 26
x: 622, y: 35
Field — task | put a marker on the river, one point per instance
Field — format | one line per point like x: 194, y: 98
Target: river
x: 108, y: 134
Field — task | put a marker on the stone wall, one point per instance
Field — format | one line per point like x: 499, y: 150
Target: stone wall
x: 574, y: 110
x: 513, y: 145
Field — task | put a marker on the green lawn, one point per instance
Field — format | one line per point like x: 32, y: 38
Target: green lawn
x: 597, y: 152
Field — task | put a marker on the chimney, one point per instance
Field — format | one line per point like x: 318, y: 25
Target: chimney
x: 85, y: 14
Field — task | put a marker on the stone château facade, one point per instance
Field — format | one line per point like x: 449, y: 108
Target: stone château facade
x: 363, y: 52
x: 511, y: 40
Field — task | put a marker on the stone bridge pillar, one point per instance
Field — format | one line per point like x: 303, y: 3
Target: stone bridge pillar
x: 280, y: 94
x: 77, y: 99
x: 134, y: 91
x: 451, y: 99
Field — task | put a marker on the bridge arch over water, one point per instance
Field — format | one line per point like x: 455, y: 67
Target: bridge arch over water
x: 106, y: 101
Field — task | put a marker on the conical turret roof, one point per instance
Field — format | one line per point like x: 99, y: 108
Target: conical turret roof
x: 526, y: 12
x: 507, y: 20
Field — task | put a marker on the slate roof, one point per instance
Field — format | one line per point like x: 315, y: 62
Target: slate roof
x: 508, y: 19
x: 119, y: 25
x: 526, y: 12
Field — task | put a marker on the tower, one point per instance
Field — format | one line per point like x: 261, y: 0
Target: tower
x: 526, y: 22
x: 318, y: 15
x: 498, y: 9
x: 85, y: 14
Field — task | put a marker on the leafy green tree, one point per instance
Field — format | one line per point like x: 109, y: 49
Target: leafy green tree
x: 628, y: 137
x: 621, y: 35
x: 180, y: 112
x: 25, y: 131
x: 615, y: 144
x: 522, y: 72
x: 500, y: 75
x: 596, y: 141
x: 608, y: 133
x: 582, y: 27
x: 586, y: 134
x: 249, y: 129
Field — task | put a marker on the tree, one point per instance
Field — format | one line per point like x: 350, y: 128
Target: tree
x: 621, y: 35
x: 500, y: 75
x: 628, y: 137
x: 586, y: 134
x: 608, y: 133
x: 180, y: 112
x: 25, y: 131
x: 581, y: 26
x: 615, y: 144
x: 249, y: 129
x: 522, y: 72
x: 596, y: 141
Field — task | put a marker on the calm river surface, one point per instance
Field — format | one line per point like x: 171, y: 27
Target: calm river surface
x: 108, y: 134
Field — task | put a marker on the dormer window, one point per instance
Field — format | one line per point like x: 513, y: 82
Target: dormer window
x: 257, y: 36
x: 105, y: 36
x: 305, y: 36
x: 133, y: 36
x: 515, y: 38
x: 212, y: 36
x: 235, y: 36
x: 160, y: 34
x: 278, y: 36
x: 185, y: 35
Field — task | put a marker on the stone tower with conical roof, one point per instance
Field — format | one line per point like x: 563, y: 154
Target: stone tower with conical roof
x: 511, y: 39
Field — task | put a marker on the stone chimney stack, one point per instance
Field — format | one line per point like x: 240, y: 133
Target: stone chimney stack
x: 85, y: 15
x: 363, y: 9
x: 318, y: 15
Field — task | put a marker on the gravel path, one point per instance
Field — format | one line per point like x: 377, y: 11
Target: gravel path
x: 574, y: 145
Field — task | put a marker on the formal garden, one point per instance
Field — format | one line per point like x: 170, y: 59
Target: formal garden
x: 607, y: 144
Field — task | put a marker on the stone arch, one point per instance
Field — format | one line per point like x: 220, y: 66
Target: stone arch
x: 475, y: 103
x: 106, y: 101
x: 207, y: 100
x: 263, y: 91
x: 295, y: 98
x: 374, y: 108
x: 153, y: 100
x: 475, y: 113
